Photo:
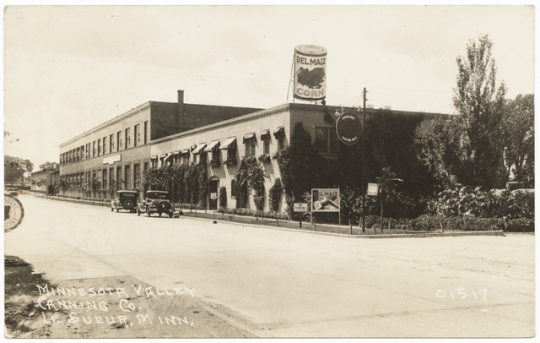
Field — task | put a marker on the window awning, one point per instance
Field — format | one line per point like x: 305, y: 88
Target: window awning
x: 177, y: 152
x: 265, y: 134
x: 185, y: 151
x: 212, y: 146
x: 193, y: 147
x: 228, y: 142
x: 168, y: 156
x: 280, y: 131
x: 199, y: 148
x: 153, y: 157
x: 249, y: 136
x: 163, y: 155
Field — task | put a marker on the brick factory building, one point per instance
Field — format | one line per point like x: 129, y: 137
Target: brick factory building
x: 114, y: 154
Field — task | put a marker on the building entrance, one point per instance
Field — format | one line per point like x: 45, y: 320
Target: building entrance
x: 213, y: 186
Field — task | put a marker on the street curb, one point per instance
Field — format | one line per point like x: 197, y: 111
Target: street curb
x: 375, y: 236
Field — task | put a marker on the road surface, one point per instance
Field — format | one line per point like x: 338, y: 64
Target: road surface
x: 281, y: 283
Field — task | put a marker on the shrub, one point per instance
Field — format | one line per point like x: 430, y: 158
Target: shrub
x: 274, y: 194
x: 222, y: 197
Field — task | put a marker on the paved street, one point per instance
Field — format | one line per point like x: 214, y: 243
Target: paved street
x: 294, y: 284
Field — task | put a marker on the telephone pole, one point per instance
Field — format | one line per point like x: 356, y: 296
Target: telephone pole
x: 364, y: 163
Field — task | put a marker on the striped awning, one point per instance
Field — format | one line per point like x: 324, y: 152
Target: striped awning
x: 228, y: 142
x: 199, y: 148
x: 153, y: 157
x: 177, y: 152
x: 169, y: 155
x: 280, y: 131
x: 212, y: 146
x: 265, y: 134
x: 249, y: 136
x: 163, y: 155
x: 185, y: 151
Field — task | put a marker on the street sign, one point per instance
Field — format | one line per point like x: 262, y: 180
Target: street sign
x: 372, y: 189
x: 213, y: 196
x: 348, y: 128
x: 300, y: 207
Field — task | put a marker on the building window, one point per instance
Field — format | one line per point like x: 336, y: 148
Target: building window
x: 118, y: 174
x: 137, y: 135
x: 145, y: 166
x: 104, y: 145
x: 154, y: 163
x: 249, y: 142
x: 94, y: 150
x: 266, y: 146
x: 233, y: 188
x: 87, y: 151
x: 118, y: 140
x: 137, y: 175
x: 99, y: 147
x: 145, y: 132
x: 105, y: 186
x: 111, y: 142
x: 128, y: 138
x: 127, y: 178
x: 326, y: 141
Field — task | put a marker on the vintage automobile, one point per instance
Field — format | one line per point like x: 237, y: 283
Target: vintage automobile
x: 156, y: 202
x: 125, y: 200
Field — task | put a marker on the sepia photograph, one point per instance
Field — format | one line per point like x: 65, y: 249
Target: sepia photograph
x: 268, y: 170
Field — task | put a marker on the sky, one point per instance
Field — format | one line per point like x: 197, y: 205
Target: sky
x: 68, y: 69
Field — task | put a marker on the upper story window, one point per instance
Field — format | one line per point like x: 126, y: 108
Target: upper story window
x: 199, y: 150
x: 136, y: 135
x: 145, y: 132
x: 94, y: 149
x: 279, y: 135
x: 111, y: 143
x: 230, y: 146
x: 104, y: 145
x: 99, y: 147
x: 265, y: 138
x: 326, y: 140
x: 118, y: 140
x: 249, y: 142
x: 213, y: 149
x: 128, y: 138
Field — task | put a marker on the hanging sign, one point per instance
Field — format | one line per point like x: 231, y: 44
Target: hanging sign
x: 348, y: 128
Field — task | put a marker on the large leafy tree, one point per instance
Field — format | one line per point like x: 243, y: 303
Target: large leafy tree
x: 519, y: 138
x: 15, y: 167
x: 478, y: 126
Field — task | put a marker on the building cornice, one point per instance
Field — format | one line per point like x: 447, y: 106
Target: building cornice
x: 109, y: 122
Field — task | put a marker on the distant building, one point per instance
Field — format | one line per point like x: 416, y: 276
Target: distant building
x: 114, y: 154
x: 43, y: 181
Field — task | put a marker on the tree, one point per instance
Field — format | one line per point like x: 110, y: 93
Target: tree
x: 14, y: 169
x: 387, y: 182
x: 519, y: 138
x: 47, y: 165
x: 480, y: 105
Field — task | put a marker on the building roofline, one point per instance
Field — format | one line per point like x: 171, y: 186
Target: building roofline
x: 111, y: 121
x: 272, y: 110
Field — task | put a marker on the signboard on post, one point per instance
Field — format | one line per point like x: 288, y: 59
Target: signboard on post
x: 325, y: 200
x: 372, y: 189
x: 213, y: 196
x: 300, y: 207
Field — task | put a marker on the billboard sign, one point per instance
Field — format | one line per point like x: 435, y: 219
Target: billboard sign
x: 325, y: 200
x: 309, y: 72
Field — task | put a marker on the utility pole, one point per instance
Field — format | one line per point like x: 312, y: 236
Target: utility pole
x: 364, y: 163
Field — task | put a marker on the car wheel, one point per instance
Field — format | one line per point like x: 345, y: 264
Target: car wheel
x: 128, y: 204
